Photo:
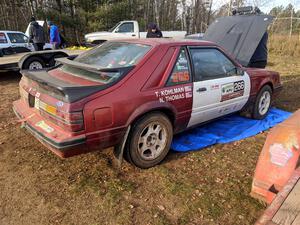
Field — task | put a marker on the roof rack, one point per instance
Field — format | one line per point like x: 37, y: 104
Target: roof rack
x: 246, y: 10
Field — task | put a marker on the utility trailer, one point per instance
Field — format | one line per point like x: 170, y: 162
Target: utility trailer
x: 34, y: 60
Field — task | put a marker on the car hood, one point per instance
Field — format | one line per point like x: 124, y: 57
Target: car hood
x: 102, y: 33
x: 239, y: 35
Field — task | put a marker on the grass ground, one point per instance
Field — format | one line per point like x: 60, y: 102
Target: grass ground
x: 210, y: 186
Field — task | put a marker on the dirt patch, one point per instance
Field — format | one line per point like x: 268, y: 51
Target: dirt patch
x: 211, y: 186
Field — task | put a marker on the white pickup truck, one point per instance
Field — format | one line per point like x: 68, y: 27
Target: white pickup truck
x: 126, y: 29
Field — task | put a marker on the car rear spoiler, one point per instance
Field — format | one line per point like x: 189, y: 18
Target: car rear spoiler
x: 69, y: 92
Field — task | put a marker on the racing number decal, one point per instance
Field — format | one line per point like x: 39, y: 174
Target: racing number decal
x: 232, y: 90
x: 180, y: 77
x: 239, y: 86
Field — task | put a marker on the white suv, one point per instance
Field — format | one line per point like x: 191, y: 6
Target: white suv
x: 17, y: 39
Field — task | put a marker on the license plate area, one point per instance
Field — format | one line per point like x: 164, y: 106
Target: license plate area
x: 31, y: 100
x: 34, y: 101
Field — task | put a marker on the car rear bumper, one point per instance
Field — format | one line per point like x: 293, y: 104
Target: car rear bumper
x: 62, y: 143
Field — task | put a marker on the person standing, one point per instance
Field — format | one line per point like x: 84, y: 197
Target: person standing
x: 36, y: 35
x: 153, y: 31
x: 54, y: 35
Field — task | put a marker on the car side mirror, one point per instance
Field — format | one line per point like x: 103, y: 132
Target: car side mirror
x: 240, y: 71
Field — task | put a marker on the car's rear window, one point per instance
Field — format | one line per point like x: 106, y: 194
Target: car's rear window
x: 114, y: 55
x: 108, y: 55
x: 3, y: 39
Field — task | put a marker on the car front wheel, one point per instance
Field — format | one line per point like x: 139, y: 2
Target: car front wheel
x: 150, y: 140
x: 262, y: 103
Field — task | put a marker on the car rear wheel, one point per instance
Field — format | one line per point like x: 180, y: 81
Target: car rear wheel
x: 34, y: 63
x: 262, y: 103
x: 149, y: 141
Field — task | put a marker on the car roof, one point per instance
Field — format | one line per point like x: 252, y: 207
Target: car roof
x: 168, y: 41
x: 10, y: 31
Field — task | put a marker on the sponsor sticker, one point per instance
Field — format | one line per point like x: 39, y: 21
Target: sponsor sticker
x: 215, y: 87
x: 59, y: 104
x: 37, y: 100
x: 37, y: 103
x: 44, y: 126
x: 280, y: 155
x: 232, y: 90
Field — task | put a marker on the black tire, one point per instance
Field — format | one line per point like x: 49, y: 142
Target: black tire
x: 258, y: 113
x: 29, y: 63
x: 140, y: 131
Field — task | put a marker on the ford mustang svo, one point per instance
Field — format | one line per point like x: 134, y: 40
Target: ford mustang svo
x: 157, y: 87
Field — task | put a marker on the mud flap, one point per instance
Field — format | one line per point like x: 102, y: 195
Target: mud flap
x: 119, y: 149
x: 278, y: 159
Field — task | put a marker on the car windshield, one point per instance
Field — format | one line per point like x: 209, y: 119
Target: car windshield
x: 110, y: 55
x: 114, y: 27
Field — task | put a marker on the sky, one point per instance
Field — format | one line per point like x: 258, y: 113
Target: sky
x: 268, y: 6
x: 264, y: 5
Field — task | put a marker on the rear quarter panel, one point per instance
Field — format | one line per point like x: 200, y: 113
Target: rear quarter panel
x: 125, y: 101
x: 261, y: 77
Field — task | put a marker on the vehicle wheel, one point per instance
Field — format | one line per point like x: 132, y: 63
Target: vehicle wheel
x: 34, y: 63
x: 262, y: 103
x: 149, y: 140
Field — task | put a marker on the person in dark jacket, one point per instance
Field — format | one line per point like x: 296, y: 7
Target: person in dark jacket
x: 153, y: 31
x: 260, y: 56
x: 54, y: 35
x: 36, y: 35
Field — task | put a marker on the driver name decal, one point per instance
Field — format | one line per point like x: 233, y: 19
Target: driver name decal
x: 169, y: 95
x: 232, y: 90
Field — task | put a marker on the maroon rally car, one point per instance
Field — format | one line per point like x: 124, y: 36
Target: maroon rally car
x: 155, y: 87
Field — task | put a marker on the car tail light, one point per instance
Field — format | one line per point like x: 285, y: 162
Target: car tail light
x: 70, y: 121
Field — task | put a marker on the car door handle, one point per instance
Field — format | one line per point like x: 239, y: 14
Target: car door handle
x: 202, y: 89
x: 133, y: 35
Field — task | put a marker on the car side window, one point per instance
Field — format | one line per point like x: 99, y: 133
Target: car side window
x: 181, y: 71
x: 3, y: 39
x: 17, y: 38
x: 126, y: 28
x: 210, y: 63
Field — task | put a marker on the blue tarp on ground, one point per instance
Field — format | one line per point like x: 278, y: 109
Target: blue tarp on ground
x: 225, y: 130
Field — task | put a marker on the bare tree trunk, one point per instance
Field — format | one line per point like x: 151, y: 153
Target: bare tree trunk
x: 156, y: 12
x: 291, y: 25
x: 183, y: 16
